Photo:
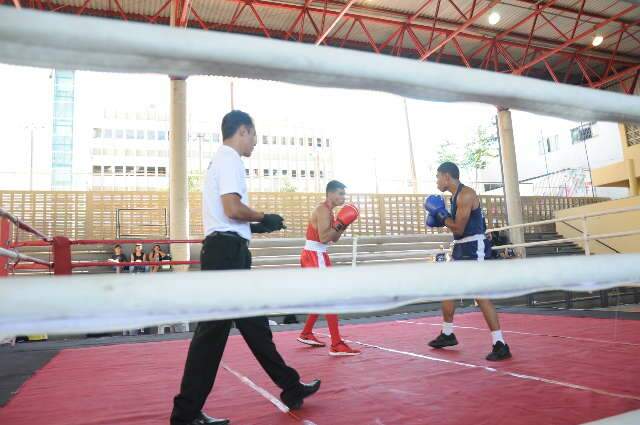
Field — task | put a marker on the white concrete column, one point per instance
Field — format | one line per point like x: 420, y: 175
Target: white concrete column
x: 510, y: 171
x: 178, y: 185
x: 633, y: 180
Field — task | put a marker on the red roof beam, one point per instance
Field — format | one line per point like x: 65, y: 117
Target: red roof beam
x: 263, y: 27
x: 577, y: 38
x: 565, y: 9
x: 326, y: 32
x: 617, y: 76
x: 533, y: 15
x: 460, y: 29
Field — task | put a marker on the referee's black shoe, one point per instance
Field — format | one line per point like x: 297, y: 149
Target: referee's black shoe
x: 203, y: 419
x: 500, y: 352
x: 444, y: 341
x: 293, y: 398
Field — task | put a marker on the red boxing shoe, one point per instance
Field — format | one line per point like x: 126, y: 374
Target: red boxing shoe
x: 342, y: 349
x: 310, y: 339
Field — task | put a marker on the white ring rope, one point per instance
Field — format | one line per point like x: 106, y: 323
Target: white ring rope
x: 94, y: 303
x: 53, y: 40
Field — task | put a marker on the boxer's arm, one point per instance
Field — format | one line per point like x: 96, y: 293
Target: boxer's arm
x: 325, y: 231
x: 236, y: 210
x: 463, y: 212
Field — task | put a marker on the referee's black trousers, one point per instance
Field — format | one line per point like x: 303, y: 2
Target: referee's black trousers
x: 225, y: 252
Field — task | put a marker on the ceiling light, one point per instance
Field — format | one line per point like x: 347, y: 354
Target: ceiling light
x: 494, y: 18
x: 597, y: 40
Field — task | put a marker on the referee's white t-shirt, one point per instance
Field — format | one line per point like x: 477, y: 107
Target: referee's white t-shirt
x: 225, y: 175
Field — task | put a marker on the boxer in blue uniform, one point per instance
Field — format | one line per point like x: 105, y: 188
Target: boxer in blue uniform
x: 468, y: 226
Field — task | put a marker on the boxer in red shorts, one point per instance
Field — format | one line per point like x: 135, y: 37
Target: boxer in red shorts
x: 322, y: 230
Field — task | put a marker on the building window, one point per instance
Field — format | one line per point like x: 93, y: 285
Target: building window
x: 310, y: 141
x: 275, y: 173
x: 321, y: 174
x: 284, y: 172
x: 162, y: 171
x: 274, y: 140
x: 151, y: 135
x: 140, y: 152
x: 107, y: 133
x: 265, y: 140
x: 319, y: 142
x: 139, y: 171
x: 130, y: 134
x: 582, y: 133
x: 151, y: 171
x: 548, y: 145
x: 162, y: 135
x: 246, y: 172
x: 283, y: 140
x: 108, y: 170
x: 129, y: 170
x: 294, y: 173
x: 119, y: 134
x: 312, y: 173
x: 293, y: 141
x: 265, y: 172
x: 301, y: 140
x: 97, y: 170
x: 633, y: 134
x: 303, y: 173
x: 97, y: 133
x: 328, y: 143
x: 119, y: 170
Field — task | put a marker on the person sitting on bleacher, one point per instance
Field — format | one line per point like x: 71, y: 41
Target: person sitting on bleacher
x: 137, y: 256
x: 157, y: 255
x: 119, y: 257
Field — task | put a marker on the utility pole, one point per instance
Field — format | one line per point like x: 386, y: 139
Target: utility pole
x: 231, y: 95
x: 412, y: 163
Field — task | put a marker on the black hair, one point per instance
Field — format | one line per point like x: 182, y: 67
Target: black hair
x: 117, y: 246
x: 233, y: 121
x: 335, y: 185
x: 449, y: 168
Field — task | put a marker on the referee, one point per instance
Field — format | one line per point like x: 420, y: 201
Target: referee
x: 229, y: 222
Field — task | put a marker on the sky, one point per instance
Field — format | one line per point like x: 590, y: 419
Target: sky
x: 369, y: 128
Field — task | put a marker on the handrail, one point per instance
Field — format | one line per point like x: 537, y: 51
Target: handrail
x: 570, y: 218
x: 21, y: 257
x: 576, y: 239
x: 600, y: 242
x: 24, y: 226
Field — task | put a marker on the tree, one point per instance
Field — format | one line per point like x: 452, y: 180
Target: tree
x: 480, y: 149
x: 288, y: 187
x: 447, y: 153
x: 194, y: 182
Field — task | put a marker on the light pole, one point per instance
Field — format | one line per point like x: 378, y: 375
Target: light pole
x: 31, y: 128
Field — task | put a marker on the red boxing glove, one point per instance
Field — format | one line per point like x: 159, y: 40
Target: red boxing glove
x: 347, y: 215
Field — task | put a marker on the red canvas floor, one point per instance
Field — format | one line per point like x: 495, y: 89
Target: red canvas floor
x: 564, y: 371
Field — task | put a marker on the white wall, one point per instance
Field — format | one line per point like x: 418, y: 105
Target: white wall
x: 603, y: 149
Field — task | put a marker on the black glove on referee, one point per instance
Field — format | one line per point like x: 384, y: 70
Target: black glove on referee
x: 258, y: 228
x: 273, y: 222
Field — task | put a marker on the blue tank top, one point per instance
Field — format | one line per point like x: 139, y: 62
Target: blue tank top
x: 476, y: 224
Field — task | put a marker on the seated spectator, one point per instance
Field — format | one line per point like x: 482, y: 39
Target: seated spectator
x: 138, y: 256
x: 118, y: 257
x: 157, y: 255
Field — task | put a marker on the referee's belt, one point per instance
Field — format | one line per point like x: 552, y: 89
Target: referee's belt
x: 227, y: 235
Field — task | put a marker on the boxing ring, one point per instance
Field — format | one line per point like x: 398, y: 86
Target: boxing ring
x: 569, y: 367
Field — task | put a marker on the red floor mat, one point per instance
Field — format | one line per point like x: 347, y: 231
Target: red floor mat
x: 564, y: 371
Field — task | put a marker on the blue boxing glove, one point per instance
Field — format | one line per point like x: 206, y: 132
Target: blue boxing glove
x: 432, y: 221
x: 434, y: 205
